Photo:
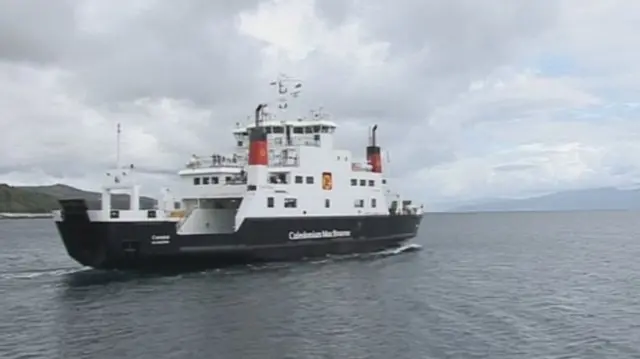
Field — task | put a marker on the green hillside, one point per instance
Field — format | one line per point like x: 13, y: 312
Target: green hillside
x: 42, y: 199
x: 16, y: 200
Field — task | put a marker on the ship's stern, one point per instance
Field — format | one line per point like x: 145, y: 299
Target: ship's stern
x: 84, y: 241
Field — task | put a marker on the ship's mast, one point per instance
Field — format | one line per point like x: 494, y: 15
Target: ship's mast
x: 118, y: 130
x: 287, y: 87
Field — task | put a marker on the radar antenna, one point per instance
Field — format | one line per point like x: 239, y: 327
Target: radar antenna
x: 287, y: 86
x: 318, y: 114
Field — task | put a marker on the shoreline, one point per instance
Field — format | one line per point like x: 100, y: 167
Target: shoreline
x: 7, y: 215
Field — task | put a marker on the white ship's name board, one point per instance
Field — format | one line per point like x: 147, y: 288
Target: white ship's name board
x: 318, y: 234
x: 157, y: 239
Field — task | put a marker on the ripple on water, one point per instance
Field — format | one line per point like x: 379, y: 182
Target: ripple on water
x: 483, y: 286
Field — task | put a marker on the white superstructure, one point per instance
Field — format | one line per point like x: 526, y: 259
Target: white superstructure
x: 301, y: 175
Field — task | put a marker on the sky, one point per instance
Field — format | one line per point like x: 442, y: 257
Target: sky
x: 473, y: 99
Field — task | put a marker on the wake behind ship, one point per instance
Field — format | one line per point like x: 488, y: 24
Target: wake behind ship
x: 284, y: 194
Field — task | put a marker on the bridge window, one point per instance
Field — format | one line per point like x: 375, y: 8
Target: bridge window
x: 227, y: 179
x: 371, y: 183
x: 290, y: 203
x: 278, y: 178
x: 205, y: 180
x: 270, y: 202
x: 309, y: 179
x: 354, y: 182
x: 316, y: 129
x: 278, y: 129
x: 214, y: 180
x: 299, y: 179
x: 298, y: 130
x: 359, y: 203
x: 363, y: 182
x: 373, y: 203
x: 196, y: 181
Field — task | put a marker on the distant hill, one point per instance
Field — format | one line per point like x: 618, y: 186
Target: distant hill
x: 17, y: 200
x: 42, y: 199
x: 579, y: 200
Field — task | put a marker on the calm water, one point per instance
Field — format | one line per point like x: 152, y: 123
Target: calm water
x: 483, y: 286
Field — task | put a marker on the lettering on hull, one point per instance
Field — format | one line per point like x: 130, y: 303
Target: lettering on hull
x: 294, y: 236
x: 157, y: 239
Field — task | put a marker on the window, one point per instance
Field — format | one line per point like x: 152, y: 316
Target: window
x: 227, y: 179
x: 384, y: 181
x: 297, y: 130
x: 239, y: 143
x: 278, y: 129
x: 327, y: 203
x: 359, y: 203
x: 354, y: 182
x: 373, y: 203
x: 363, y: 182
x: 205, y: 180
x: 298, y: 179
x: 214, y: 180
x: 196, y: 181
x: 309, y: 179
x: 270, y: 202
x: 371, y: 183
x: 290, y: 203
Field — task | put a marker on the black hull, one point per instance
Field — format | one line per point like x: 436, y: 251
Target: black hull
x: 156, y: 245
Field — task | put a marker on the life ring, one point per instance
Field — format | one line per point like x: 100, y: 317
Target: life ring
x: 327, y: 183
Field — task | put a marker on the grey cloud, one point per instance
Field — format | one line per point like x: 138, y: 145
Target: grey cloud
x: 185, y: 56
x: 191, y: 50
x: 469, y: 30
x: 515, y: 167
x: 336, y: 12
x: 38, y: 31
x: 439, y: 48
x: 174, y: 49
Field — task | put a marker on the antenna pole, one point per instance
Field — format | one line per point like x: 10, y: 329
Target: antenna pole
x: 285, y: 91
x: 118, y: 146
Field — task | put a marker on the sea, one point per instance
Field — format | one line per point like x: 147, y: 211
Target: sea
x: 492, y: 285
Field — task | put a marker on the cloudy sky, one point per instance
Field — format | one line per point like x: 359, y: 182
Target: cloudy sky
x: 474, y: 99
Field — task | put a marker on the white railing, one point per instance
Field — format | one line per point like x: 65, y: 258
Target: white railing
x: 216, y: 161
x: 284, y: 162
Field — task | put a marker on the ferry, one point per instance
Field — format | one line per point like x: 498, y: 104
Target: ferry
x: 284, y: 193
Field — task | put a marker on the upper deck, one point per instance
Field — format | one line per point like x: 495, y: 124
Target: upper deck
x: 285, y: 138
